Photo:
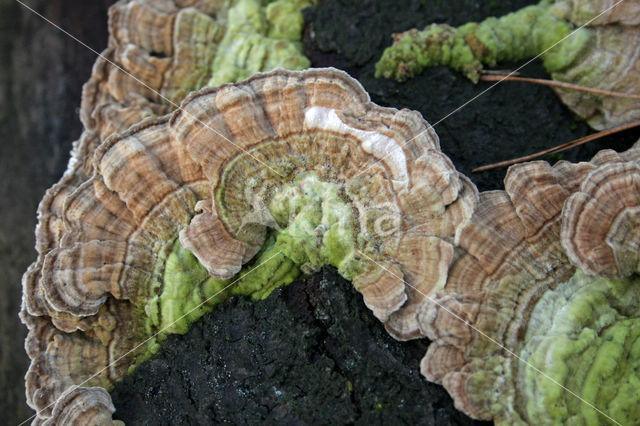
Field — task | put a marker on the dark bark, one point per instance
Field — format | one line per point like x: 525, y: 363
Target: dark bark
x: 311, y: 353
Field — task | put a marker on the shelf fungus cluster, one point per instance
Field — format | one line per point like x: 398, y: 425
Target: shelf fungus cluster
x: 539, y: 321
x: 160, y: 50
x: 530, y: 295
x: 592, y: 43
x: 243, y: 189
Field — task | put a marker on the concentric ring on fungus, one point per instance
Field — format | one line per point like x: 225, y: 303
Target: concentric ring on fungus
x: 121, y: 266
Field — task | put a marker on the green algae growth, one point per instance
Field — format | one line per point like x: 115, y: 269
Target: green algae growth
x: 586, y: 337
x: 531, y: 31
x: 260, y: 36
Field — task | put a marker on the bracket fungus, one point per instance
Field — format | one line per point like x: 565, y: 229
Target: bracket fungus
x: 158, y: 52
x: 142, y: 74
x: 538, y: 321
x: 284, y: 172
x: 600, y: 223
x: 602, y: 54
x: 247, y: 186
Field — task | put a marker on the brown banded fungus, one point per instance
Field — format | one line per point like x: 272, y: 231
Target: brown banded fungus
x: 600, y: 221
x: 517, y: 327
x: 83, y: 406
x: 158, y: 52
x: 241, y: 190
x: 251, y: 185
x: 112, y: 101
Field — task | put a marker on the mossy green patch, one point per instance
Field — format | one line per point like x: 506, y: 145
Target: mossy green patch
x: 586, y: 338
x: 187, y: 292
x: 531, y: 31
x: 270, y: 269
x: 319, y: 224
x: 261, y: 35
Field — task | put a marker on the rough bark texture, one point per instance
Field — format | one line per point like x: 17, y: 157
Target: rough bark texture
x: 41, y: 74
x: 311, y: 353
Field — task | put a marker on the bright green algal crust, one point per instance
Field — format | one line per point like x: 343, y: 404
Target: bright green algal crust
x: 584, y: 335
x: 261, y: 35
x: 314, y: 228
x: 321, y: 231
x: 523, y: 34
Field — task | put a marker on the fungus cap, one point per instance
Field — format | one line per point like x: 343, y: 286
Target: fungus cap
x: 286, y: 172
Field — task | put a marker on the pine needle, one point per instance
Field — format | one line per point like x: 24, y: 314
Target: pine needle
x: 558, y: 148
